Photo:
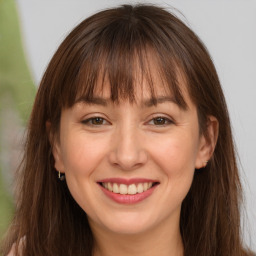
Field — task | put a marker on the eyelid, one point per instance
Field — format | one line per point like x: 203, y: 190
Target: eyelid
x: 168, y: 119
x: 86, y: 121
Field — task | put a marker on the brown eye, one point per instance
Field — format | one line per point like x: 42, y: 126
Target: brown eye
x: 160, y: 121
x: 95, y: 121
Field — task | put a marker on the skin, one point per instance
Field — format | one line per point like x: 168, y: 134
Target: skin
x: 127, y: 141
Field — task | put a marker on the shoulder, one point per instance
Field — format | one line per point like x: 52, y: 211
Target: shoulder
x: 12, y: 252
x: 14, y: 248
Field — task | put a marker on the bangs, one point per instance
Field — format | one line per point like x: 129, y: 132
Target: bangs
x: 122, y: 55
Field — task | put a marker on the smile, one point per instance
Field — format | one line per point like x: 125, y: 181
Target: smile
x: 125, y: 189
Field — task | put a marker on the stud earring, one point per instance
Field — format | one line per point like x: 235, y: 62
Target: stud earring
x: 205, y: 163
x: 61, y: 176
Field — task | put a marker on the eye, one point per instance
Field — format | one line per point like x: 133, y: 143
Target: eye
x: 95, y: 121
x: 160, y: 121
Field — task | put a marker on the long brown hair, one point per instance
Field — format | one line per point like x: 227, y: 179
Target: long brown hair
x: 115, y: 43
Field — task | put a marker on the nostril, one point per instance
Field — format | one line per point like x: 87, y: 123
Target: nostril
x: 127, y: 157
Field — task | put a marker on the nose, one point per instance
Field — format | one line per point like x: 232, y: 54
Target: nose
x: 128, y: 151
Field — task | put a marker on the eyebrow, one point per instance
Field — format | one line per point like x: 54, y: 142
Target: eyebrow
x: 146, y: 103
x: 162, y: 99
x: 93, y: 101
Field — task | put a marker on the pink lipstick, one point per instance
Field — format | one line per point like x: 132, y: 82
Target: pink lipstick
x: 127, y: 191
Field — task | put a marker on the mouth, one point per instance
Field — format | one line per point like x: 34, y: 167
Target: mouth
x: 128, y: 189
x: 124, y: 191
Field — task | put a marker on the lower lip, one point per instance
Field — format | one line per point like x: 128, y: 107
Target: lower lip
x: 128, y: 199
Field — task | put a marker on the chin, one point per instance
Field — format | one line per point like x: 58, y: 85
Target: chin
x: 128, y: 228
x: 128, y: 223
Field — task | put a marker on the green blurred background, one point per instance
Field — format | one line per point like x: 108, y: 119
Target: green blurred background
x: 17, y: 92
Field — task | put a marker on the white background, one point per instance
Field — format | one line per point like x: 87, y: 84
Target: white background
x: 227, y: 27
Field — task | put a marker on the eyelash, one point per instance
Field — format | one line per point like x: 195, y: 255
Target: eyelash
x: 103, y: 121
x: 166, y: 121
x: 90, y: 120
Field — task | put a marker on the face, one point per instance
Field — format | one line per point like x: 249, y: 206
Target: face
x: 129, y: 166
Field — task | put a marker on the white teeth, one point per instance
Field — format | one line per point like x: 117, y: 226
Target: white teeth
x: 124, y: 189
x: 145, y: 186
x: 115, y: 188
x: 140, y: 188
x: 109, y: 186
x: 132, y: 190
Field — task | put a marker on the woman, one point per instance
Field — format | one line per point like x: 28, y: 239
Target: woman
x: 129, y: 148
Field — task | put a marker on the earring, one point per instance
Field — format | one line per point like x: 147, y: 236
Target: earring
x: 205, y: 163
x: 61, y: 176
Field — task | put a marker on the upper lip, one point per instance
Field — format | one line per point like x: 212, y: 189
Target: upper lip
x: 126, y: 181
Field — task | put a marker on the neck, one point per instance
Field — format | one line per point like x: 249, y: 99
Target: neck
x: 163, y: 240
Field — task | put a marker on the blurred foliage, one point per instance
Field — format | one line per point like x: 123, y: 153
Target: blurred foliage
x: 16, y: 95
x: 6, y: 208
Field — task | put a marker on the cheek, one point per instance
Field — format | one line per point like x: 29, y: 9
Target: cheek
x: 176, y: 158
x: 81, y: 153
x: 175, y: 154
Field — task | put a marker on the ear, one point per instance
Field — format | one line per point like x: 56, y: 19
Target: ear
x: 55, y: 144
x: 207, y: 142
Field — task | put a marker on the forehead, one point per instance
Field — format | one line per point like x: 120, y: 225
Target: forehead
x: 146, y: 92
x: 146, y: 80
x: 142, y: 88
x: 143, y: 75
